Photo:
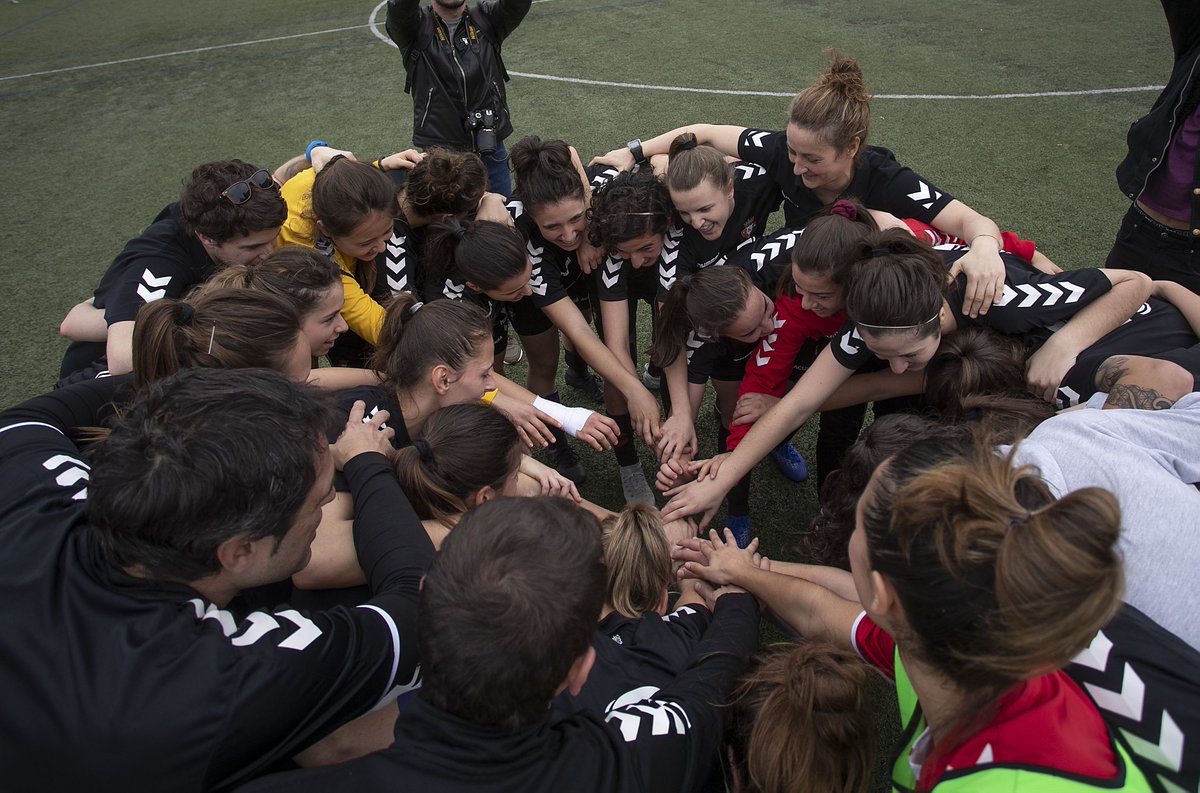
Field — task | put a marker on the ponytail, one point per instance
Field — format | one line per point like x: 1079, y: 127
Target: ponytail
x: 220, y: 329
x: 638, y: 557
x: 692, y: 164
x: 544, y: 172
x: 896, y: 283
x: 445, y: 182
x: 464, y: 449
x: 480, y: 251
x: 708, y: 301
x: 801, y: 719
x: 415, y: 337
x: 836, y: 107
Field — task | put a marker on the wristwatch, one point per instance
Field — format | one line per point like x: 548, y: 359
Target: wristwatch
x: 635, y: 148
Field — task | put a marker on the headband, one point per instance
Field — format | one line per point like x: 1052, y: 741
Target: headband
x: 899, y: 327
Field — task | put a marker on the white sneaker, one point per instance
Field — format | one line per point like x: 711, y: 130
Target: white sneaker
x: 634, y: 485
x: 513, y: 353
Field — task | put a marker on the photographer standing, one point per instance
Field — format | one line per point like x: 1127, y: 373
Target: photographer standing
x: 456, y: 76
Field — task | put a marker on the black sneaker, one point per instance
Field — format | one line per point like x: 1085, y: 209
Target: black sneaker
x: 586, y: 383
x: 567, y: 464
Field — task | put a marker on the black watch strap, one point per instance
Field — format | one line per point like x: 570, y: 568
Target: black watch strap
x: 635, y: 147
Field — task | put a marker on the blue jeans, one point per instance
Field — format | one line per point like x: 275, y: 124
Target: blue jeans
x: 499, y: 178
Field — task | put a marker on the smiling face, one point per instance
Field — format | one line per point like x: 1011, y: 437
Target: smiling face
x: 818, y: 293
x: 368, y: 239
x: 562, y: 224
x: 754, y: 321
x: 323, y: 324
x: 641, y: 251
x: 904, y: 350
x: 512, y: 289
x: 820, y: 165
x: 706, y: 207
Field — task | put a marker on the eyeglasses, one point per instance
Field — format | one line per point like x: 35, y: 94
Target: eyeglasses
x: 239, y: 192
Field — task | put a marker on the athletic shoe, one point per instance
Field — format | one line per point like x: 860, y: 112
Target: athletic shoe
x: 586, y: 383
x: 790, y: 463
x: 567, y: 464
x: 653, y: 382
x: 740, y: 526
x: 634, y: 486
x: 513, y: 353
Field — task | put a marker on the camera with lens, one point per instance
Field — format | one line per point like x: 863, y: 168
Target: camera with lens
x: 482, y: 125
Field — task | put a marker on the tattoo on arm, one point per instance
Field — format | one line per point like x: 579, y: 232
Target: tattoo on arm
x: 1111, y: 371
x: 1134, y: 396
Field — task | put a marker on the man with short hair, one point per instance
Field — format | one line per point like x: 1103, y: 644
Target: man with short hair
x: 229, y: 213
x: 127, y: 660
x: 507, y: 615
x: 456, y: 77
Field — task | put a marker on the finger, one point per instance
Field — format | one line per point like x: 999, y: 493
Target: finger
x: 707, y: 519
x: 753, y: 546
x: 388, y: 433
x: 357, y: 411
x: 546, y: 419
x: 378, y: 419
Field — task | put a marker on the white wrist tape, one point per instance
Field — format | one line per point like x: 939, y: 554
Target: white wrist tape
x: 571, y: 419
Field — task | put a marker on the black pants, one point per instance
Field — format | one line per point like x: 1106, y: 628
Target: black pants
x: 1161, y: 252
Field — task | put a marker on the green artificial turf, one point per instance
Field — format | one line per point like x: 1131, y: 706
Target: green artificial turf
x: 94, y: 148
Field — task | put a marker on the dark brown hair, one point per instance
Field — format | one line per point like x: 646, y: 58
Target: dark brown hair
x: 829, y: 244
x: 446, y: 182
x: 632, y: 205
x: 706, y: 301
x: 467, y: 448
x: 294, y: 272
x: 416, y: 337
x: 836, y: 107
x: 346, y: 191
x: 220, y: 329
x: 897, y: 281
x: 480, y: 251
x: 692, y: 164
x: 544, y: 172
x: 204, y: 211
x: 801, y: 720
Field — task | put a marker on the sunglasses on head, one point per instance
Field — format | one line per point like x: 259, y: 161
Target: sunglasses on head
x: 239, y: 192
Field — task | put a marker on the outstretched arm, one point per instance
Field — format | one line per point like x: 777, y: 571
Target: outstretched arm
x: 720, y: 136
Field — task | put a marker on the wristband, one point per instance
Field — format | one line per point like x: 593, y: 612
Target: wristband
x: 311, y: 146
x: 571, y: 420
x: 489, y: 397
x: 635, y: 148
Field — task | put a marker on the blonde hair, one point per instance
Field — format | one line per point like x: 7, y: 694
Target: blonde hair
x: 638, y: 556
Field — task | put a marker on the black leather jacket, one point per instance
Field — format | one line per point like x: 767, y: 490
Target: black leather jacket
x: 1150, y: 135
x: 450, y: 73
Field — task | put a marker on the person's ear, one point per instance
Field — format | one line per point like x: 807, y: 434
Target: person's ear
x: 483, y: 495
x: 237, y: 554
x: 439, y: 376
x: 662, y: 604
x: 473, y: 287
x: 883, y: 596
x: 854, y: 146
x: 321, y: 227
x: 577, y: 675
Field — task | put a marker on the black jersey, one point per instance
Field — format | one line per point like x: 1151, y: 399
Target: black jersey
x: 1033, y: 306
x: 755, y: 197
x: 879, y: 181
x: 667, y: 742
x: 118, y: 683
x: 1146, y: 683
x: 376, y: 398
x: 636, y: 657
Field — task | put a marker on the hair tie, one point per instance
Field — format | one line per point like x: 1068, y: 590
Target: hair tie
x: 845, y: 209
x: 186, y: 314
x: 687, y: 145
x: 334, y: 159
x: 423, y: 450
x: 414, y: 308
x: 879, y: 253
x: 1019, y: 521
x: 459, y: 233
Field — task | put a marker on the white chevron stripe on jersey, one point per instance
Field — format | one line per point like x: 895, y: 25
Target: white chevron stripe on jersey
x: 452, y: 290
x: 515, y: 208
x: 755, y: 139
x: 924, y: 195
x: 260, y: 625
x: 847, y: 342
x: 152, y: 287
x: 748, y: 170
x: 1167, y: 751
x: 1095, y: 655
x: 664, y: 718
x: 1127, y: 702
x: 307, y: 632
x: 74, y: 472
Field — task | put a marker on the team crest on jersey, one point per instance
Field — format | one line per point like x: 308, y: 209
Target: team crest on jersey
x: 747, y: 232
